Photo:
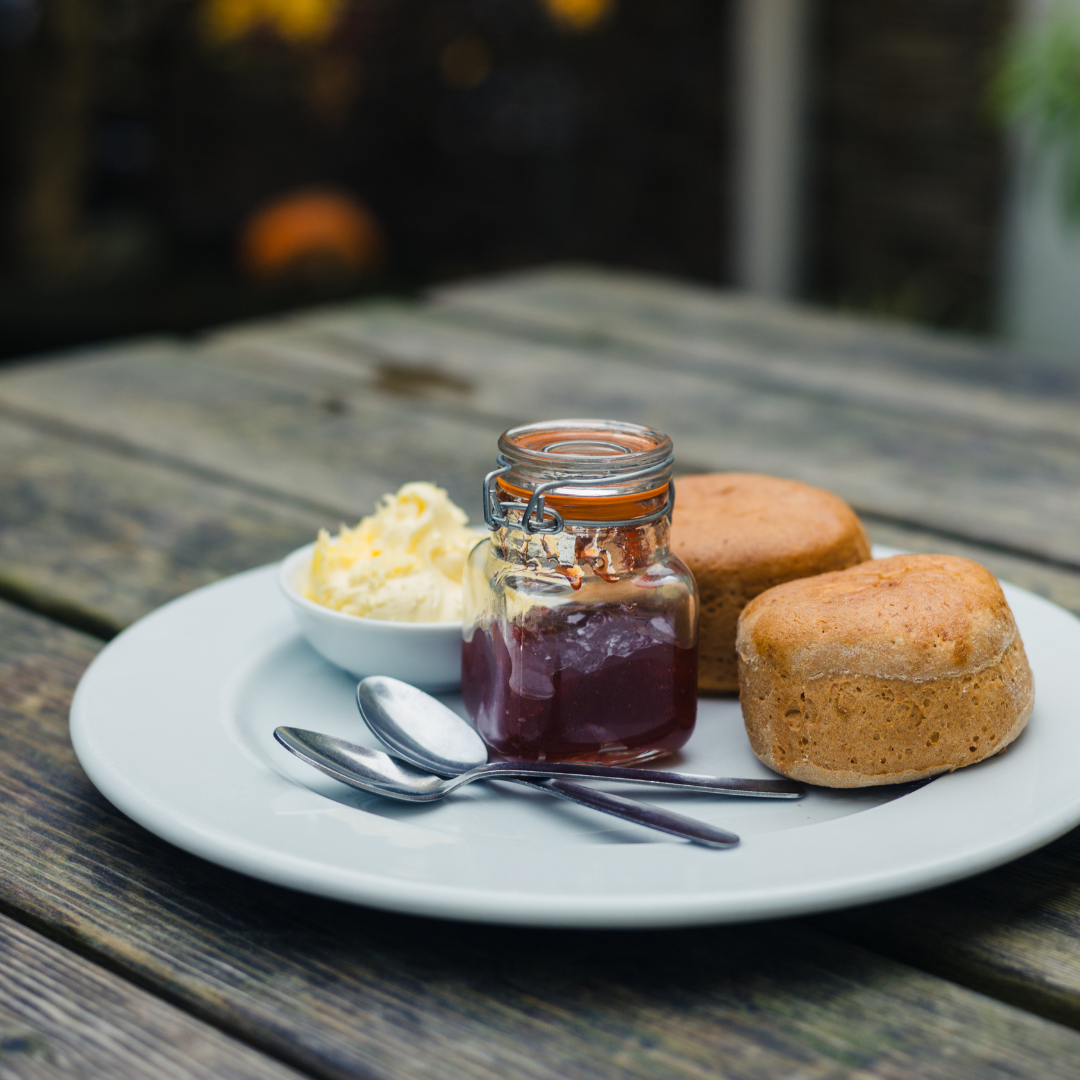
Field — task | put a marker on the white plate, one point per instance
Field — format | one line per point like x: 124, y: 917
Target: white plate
x: 173, y: 724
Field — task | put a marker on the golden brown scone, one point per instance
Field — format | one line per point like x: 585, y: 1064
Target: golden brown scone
x: 740, y: 534
x: 894, y: 670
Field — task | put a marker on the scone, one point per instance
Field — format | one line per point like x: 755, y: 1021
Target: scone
x: 895, y: 670
x: 740, y: 534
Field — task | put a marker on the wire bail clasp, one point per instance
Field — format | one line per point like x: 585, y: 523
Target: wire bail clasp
x: 538, y: 518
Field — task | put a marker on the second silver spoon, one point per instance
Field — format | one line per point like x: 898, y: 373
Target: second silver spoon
x: 422, y: 730
x: 374, y: 771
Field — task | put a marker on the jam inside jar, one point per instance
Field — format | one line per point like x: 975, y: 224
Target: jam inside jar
x: 580, y: 625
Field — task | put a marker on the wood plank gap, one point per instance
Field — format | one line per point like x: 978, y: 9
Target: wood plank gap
x: 75, y: 433
x: 870, y: 517
x: 785, y: 371
x: 1059, y: 1007
x: 61, y: 1015
x: 64, y: 612
x: 220, y: 1021
x: 690, y: 468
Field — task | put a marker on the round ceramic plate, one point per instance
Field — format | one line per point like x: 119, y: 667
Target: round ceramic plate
x: 173, y: 722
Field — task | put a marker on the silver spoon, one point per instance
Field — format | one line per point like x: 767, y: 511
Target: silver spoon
x: 422, y: 730
x: 427, y: 734
x: 374, y: 771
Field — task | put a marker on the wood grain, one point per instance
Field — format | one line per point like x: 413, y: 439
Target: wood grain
x: 1012, y: 933
x: 333, y: 449
x: 99, y: 538
x: 968, y: 473
x: 93, y: 531
x: 645, y: 317
x: 61, y: 1015
x: 131, y: 475
x: 344, y: 992
x: 326, y: 412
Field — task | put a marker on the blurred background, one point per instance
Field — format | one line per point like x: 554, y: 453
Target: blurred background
x: 169, y: 165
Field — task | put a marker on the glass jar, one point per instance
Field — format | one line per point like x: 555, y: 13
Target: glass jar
x: 580, y: 625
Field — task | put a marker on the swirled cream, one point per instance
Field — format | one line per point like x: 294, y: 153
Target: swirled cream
x: 403, y: 563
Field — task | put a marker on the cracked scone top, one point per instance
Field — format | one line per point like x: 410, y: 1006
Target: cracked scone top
x: 893, y: 670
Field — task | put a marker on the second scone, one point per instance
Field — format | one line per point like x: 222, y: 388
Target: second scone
x: 743, y: 533
x: 892, y: 671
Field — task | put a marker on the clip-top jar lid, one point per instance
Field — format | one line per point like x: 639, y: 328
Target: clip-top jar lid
x: 615, y: 474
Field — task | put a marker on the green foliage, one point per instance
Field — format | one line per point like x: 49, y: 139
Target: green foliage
x: 1038, y: 87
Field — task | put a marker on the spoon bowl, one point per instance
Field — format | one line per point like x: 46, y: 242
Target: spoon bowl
x: 419, y: 727
x: 359, y: 767
x: 427, y: 734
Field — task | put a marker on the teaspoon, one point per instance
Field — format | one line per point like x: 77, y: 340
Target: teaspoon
x: 422, y: 730
x: 376, y: 772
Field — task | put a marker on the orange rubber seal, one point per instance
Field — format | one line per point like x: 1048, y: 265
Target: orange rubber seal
x: 595, y: 507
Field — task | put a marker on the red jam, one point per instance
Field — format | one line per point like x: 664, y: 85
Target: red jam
x: 597, y: 684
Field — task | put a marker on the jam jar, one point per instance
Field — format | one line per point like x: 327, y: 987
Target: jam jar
x: 580, y: 626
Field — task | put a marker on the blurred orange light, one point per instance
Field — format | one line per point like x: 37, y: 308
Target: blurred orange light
x: 579, y: 16
x: 295, y: 21
x: 311, y: 234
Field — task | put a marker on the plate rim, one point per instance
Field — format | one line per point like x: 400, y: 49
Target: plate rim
x: 217, y: 844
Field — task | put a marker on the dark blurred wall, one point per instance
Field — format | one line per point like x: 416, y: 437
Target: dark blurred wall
x: 483, y: 134
x: 908, y: 160
x: 138, y: 136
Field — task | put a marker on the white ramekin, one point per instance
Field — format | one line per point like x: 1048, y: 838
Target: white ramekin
x: 427, y: 655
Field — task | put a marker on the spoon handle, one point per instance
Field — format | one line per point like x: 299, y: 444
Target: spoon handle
x: 652, y: 817
x: 718, y: 785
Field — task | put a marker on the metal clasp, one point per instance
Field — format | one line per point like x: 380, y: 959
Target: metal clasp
x: 537, y: 518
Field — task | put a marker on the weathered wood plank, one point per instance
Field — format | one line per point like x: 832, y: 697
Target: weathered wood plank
x: 61, y: 1015
x: 324, y: 429
x: 377, y: 439
x: 99, y: 538
x: 1013, y: 934
x: 345, y: 992
x: 858, y: 375
x: 333, y: 448
x: 706, y: 329
x: 984, y: 477
x: 126, y: 516
x: 322, y: 413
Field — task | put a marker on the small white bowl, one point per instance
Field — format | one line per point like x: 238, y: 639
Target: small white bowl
x: 427, y: 655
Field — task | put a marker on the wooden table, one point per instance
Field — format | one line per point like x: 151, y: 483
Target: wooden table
x: 135, y: 472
